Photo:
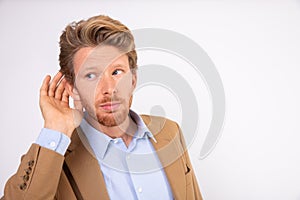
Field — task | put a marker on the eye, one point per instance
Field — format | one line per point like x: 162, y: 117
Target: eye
x: 117, y: 72
x: 90, y: 76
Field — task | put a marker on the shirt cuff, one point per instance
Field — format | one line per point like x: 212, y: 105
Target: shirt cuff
x: 53, y: 140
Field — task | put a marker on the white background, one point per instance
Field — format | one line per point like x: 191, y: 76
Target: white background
x: 255, y: 46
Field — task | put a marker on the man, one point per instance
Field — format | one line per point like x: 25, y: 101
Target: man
x: 101, y: 149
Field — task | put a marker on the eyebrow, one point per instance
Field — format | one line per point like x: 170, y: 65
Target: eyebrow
x: 92, y: 67
x: 89, y: 68
x: 115, y: 65
x: 97, y: 67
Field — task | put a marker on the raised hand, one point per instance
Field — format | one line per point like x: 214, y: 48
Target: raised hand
x: 54, y: 104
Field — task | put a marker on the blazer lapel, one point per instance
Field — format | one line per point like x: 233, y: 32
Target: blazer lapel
x: 85, y: 168
x: 169, y: 151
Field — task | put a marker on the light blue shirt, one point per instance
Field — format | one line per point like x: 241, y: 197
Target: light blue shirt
x: 132, y: 172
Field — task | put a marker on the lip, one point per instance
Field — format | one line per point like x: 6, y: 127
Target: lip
x: 110, y: 106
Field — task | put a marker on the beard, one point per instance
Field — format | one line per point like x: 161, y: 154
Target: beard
x: 114, y: 118
x: 108, y: 119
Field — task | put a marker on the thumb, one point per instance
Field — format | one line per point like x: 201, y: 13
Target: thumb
x: 77, y: 113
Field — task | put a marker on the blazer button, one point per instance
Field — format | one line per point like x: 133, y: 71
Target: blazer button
x: 23, y: 186
x: 31, y: 163
x: 25, y: 178
x: 28, y: 170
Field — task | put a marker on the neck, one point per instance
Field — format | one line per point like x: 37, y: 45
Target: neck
x: 125, y: 130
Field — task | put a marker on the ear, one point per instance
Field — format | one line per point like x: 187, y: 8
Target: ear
x: 72, y: 91
x: 134, y: 80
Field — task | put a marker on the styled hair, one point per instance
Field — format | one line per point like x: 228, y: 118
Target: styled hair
x: 91, y: 33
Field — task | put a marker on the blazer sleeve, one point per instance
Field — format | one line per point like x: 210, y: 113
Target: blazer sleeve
x: 37, y: 176
x: 193, y: 192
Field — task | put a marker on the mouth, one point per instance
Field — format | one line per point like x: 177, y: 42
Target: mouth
x: 110, y: 106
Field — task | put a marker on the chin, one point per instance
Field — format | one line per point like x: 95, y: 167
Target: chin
x: 113, y: 118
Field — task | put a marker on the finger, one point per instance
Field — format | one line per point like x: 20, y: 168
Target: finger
x: 77, y: 117
x: 77, y: 113
x: 45, y: 86
x: 60, y: 89
x: 65, y: 96
x: 78, y: 106
x: 54, y: 84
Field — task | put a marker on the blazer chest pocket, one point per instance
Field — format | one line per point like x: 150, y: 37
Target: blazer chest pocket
x: 190, y: 193
x: 188, y: 175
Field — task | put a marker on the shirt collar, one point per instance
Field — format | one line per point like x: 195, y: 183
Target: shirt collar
x: 99, y: 141
x: 142, y: 129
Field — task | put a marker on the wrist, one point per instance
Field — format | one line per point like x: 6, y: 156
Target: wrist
x: 60, y: 128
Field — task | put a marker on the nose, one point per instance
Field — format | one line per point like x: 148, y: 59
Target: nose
x: 107, y: 85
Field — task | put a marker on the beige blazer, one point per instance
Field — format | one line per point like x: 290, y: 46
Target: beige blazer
x: 44, y: 174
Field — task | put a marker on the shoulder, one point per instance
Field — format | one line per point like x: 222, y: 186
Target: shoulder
x: 158, y: 120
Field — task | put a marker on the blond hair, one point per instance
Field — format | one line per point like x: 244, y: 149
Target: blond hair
x: 90, y: 33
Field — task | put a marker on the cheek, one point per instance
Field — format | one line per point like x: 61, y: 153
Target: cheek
x: 86, y: 92
x: 124, y: 84
x: 87, y: 99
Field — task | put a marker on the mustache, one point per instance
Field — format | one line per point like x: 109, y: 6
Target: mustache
x: 108, y: 100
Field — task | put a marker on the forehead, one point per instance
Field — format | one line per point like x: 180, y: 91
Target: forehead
x: 100, y: 57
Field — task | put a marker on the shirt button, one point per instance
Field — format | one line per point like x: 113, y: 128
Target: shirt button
x: 128, y: 157
x: 140, y: 189
x: 52, y: 144
x: 116, y: 141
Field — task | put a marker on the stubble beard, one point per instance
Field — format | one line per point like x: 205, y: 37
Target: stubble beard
x: 108, y: 119
x: 112, y: 119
